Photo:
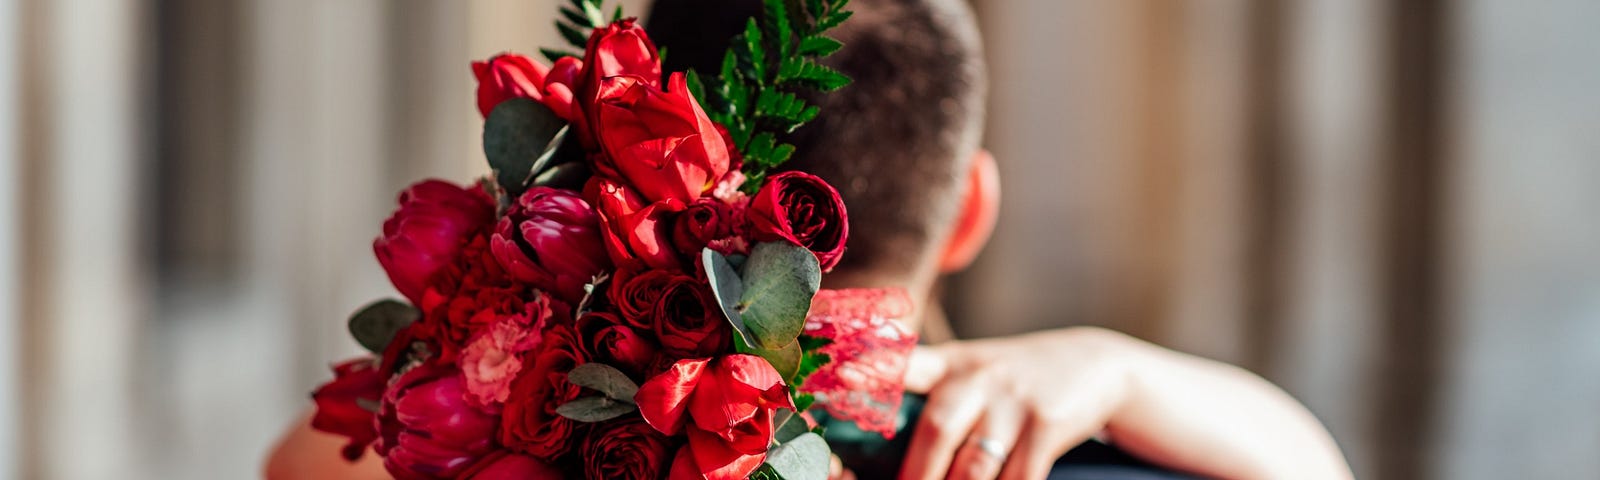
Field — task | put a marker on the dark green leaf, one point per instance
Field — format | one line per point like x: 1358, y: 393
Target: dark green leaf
x: 810, y: 362
x: 806, y: 457
x: 552, y: 54
x: 786, y: 359
x: 755, y: 51
x: 376, y: 324
x: 616, y: 15
x: 604, y: 379
x: 565, y: 176
x: 833, y: 20
x: 573, y: 36
x: 519, y: 136
x: 803, y: 401
x: 776, y: 16
x: 576, y: 17
x: 594, y: 409
x: 819, y: 45
x: 779, y: 280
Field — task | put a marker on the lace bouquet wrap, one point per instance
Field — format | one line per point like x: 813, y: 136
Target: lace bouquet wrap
x: 633, y: 293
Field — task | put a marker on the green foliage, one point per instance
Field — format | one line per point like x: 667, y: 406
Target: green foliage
x: 578, y: 18
x: 806, y: 457
x: 376, y: 324
x: 595, y: 409
x: 753, y: 94
x: 520, y: 138
x: 605, y: 379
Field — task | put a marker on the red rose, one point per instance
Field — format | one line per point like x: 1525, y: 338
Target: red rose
x: 704, y: 221
x: 726, y: 407
x: 636, y: 234
x: 530, y: 423
x: 660, y: 143
x: 427, y: 232
x: 344, y: 403
x: 634, y: 294
x: 512, y: 466
x: 688, y: 320
x: 428, y: 430
x: 626, y: 449
x: 551, y: 239
x: 474, y: 294
x: 509, y: 75
x: 610, y: 341
x: 801, y: 209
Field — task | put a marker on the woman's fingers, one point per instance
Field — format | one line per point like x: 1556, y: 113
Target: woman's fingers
x: 925, y: 368
x: 1048, y: 432
x: 954, y: 405
x: 986, y: 449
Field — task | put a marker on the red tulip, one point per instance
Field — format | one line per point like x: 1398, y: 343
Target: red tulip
x: 551, y: 239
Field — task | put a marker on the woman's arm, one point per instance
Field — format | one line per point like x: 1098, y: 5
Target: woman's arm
x: 1007, y: 408
x: 308, y: 454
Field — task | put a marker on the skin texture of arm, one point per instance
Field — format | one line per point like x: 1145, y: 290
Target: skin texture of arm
x: 1036, y: 396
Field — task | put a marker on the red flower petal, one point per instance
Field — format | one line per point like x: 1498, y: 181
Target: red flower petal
x: 663, y: 399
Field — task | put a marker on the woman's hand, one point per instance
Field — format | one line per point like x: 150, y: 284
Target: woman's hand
x: 1008, y: 408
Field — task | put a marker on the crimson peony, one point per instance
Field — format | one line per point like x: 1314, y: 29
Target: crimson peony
x: 427, y: 428
x: 551, y: 239
x: 427, y: 232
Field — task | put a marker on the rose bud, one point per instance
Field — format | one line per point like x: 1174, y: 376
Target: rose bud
x: 704, y: 221
x: 660, y: 143
x: 626, y: 449
x: 428, y: 430
x: 427, y: 232
x: 801, y: 209
x: 529, y: 423
x: 612, y: 342
x: 344, y: 403
x: 551, y: 239
x: 724, y: 405
x: 512, y: 466
x: 509, y: 75
x: 636, y: 234
x: 688, y: 320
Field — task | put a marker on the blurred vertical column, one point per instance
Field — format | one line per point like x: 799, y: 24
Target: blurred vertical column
x: 83, y: 288
x: 11, y: 231
x: 1325, y: 168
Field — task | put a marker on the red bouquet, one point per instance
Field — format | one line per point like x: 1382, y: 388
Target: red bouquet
x: 630, y: 295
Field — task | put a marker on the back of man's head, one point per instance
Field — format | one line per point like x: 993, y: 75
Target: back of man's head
x: 897, y: 141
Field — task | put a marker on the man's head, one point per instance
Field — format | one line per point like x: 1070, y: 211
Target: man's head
x: 900, y: 143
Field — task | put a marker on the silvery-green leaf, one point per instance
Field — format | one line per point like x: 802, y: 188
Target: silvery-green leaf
x: 727, y: 286
x: 806, y: 457
x: 594, y: 409
x: 520, y: 136
x: 605, y: 379
x: 376, y: 324
x: 779, y: 280
x: 788, y: 426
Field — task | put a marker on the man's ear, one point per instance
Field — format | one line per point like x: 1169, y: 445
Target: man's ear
x: 975, y: 216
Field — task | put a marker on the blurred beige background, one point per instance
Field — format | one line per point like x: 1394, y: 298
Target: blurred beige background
x: 1386, y: 206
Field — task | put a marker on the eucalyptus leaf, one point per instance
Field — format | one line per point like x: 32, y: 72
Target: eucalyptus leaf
x: 376, y: 324
x: 779, y: 280
x: 806, y: 457
x: 594, y: 409
x: 566, y: 176
x: 520, y: 136
x: 788, y: 426
x: 786, y: 359
x: 727, y: 286
x: 605, y: 379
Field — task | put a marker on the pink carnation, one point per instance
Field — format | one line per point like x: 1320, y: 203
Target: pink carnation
x: 493, y: 359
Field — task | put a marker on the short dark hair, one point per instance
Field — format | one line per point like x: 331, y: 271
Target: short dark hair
x: 897, y: 141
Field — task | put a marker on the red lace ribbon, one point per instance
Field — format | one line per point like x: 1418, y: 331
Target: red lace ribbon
x: 871, y: 348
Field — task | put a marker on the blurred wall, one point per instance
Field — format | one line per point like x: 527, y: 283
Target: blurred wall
x: 1383, y: 206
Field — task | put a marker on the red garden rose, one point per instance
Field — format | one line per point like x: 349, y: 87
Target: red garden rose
x: 636, y: 233
x: 627, y: 449
x: 550, y: 239
x: 659, y: 142
x: 688, y: 320
x: 634, y: 295
x: 724, y: 405
x: 801, y: 209
x: 530, y: 423
x: 342, y: 404
x: 703, y: 222
x: 607, y: 339
x: 473, y: 295
x: 427, y: 232
x: 512, y: 466
x: 509, y: 75
x: 428, y: 430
